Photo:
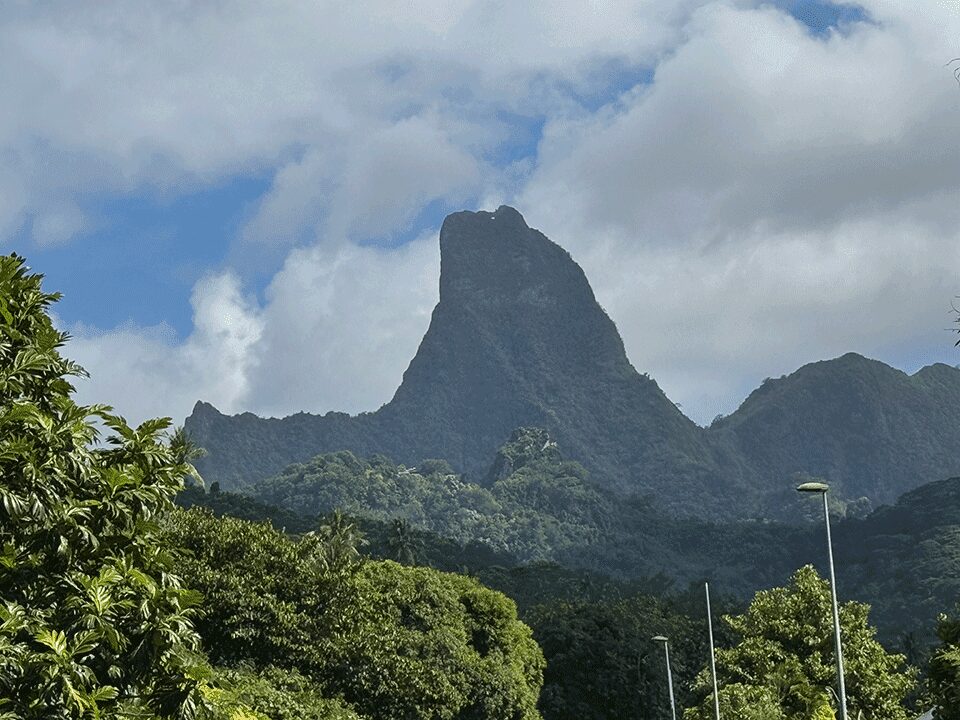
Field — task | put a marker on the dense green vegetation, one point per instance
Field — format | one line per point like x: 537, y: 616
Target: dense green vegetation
x: 872, y: 431
x: 544, y: 510
x: 540, y: 509
x: 93, y: 619
x: 430, y: 549
x: 594, y: 629
x: 944, y: 680
x: 392, y: 641
x: 783, y: 665
x: 276, y: 694
x: 905, y: 561
x: 601, y: 662
x: 595, y: 634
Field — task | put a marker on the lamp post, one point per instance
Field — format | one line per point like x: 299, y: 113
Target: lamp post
x: 822, y: 488
x: 713, y: 662
x: 666, y: 650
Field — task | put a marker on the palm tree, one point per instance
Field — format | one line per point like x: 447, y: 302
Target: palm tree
x: 403, y: 542
x: 340, y: 542
x: 185, y: 451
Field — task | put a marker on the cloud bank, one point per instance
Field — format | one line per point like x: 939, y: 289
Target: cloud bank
x: 744, y: 192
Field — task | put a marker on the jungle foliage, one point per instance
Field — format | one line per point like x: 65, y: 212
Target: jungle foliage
x: 784, y: 664
x: 944, y: 674
x: 94, y: 620
x: 539, y: 509
x: 391, y: 641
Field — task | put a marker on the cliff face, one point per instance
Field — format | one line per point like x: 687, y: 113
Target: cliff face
x: 518, y: 339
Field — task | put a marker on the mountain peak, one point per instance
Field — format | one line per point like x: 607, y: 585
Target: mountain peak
x: 496, y: 259
x: 517, y: 339
x: 866, y: 427
x: 204, y: 408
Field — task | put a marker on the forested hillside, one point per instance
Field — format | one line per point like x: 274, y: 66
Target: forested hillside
x: 117, y: 604
x: 594, y: 627
x: 539, y: 508
x: 519, y: 339
x: 869, y: 429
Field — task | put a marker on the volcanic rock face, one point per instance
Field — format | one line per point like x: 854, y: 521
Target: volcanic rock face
x: 518, y: 339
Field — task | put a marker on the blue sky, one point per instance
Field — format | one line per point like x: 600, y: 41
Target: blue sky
x: 744, y: 157
x: 145, y: 251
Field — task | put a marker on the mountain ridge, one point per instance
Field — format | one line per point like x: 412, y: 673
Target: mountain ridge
x: 518, y: 339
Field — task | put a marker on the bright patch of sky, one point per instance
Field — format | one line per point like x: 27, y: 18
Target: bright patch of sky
x: 823, y: 17
x: 144, y: 254
x: 258, y: 190
x: 148, y: 251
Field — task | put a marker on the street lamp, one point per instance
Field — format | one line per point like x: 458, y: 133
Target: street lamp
x: 822, y: 488
x: 713, y: 662
x: 666, y: 649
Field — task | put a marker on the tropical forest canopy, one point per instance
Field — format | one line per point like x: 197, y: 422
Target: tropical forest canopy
x: 354, y: 586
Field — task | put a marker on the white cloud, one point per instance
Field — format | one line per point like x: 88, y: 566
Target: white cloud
x: 58, y: 225
x: 773, y: 197
x: 369, y: 187
x: 342, y: 324
x: 755, y: 123
x: 148, y: 372
x: 172, y: 96
x: 336, y: 331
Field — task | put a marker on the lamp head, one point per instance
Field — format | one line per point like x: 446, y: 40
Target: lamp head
x: 659, y: 638
x: 813, y: 487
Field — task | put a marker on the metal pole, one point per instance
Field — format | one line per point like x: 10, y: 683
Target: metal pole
x: 836, y: 614
x: 713, y: 662
x: 673, y: 705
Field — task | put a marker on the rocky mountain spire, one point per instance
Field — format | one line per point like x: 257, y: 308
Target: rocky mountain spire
x: 517, y: 339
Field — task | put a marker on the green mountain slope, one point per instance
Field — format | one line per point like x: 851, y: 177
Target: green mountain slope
x: 903, y: 559
x: 518, y: 338
x: 868, y: 429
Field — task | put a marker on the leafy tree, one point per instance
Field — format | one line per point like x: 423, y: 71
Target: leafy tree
x: 93, y: 619
x: 785, y: 659
x: 419, y: 644
x: 271, y: 694
x: 944, y: 675
x: 263, y: 594
x: 526, y: 444
x: 393, y: 642
x: 601, y: 663
x: 434, y: 551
